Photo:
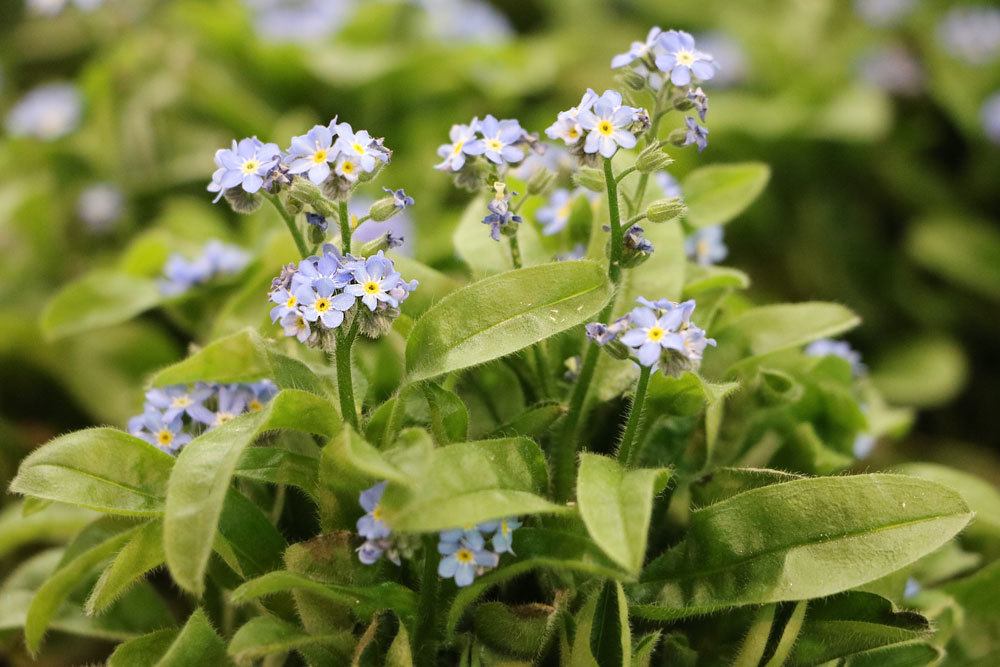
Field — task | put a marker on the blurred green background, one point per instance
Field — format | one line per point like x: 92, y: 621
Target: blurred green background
x: 874, y: 117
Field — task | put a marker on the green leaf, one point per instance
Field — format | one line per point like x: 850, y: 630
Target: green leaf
x: 616, y: 506
x: 966, y: 252
x: 142, y: 553
x: 854, y: 623
x: 978, y: 639
x: 502, y: 314
x: 53, y: 524
x: 279, y: 466
x: 468, y: 483
x: 779, y: 327
x: 252, y: 541
x: 610, y: 636
x: 644, y: 649
x: 518, y: 631
x: 365, y: 601
x: 484, y: 255
x: 716, y: 194
x: 100, y: 468
x: 434, y: 285
x: 144, y: 651
x: 400, y: 654
x: 723, y: 483
x: 904, y: 654
x: 533, y: 422
x: 981, y: 496
x: 922, y: 372
x: 348, y: 454
x: 204, y: 468
x: 67, y: 577
x: 537, y: 548
x: 704, y: 278
x: 789, y: 635
x: 196, y: 644
x: 448, y: 410
x: 266, y: 635
x: 755, y: 642
x: 99, y: 299
x: 241, y: 357
x: 798, y: 540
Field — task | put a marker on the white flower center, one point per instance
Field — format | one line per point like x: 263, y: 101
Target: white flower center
x: 250, y: 166
x: 685, y: 57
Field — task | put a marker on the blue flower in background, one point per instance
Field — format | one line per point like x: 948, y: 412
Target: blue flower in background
x: 607, y: 125
x: 312, y: 153
x: 705, y: 246
x: 971, y: 33
x: 695, y: 341
x: 825, y: 347
x: 555, y: 214
x: 246, y: 164
x: 299, y: 21
x: 638, y: 51
x: 371, y: 525
x: 503, y: 537
x: 177, y: 401
x: 882, y: 13
x: 499, y: 138
x: 100, y: 206
x: 217, y: 259
x: 990, y: 115
x: 466, y: 21
x: 669, y: 185
x: 893, y: 69
x: 696, y: 134
x: 56, y: 7
x: 681, y: 60
x: 863, y: 445
x: 154, y: 428
x: 729, y: 57
x: 399, y: 227
x: 463, y: 143
x: 602, y: 334
x: 231, y: 402
x: 47, y: 112
x: 400, y: 198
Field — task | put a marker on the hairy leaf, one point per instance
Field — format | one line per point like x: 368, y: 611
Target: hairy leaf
x: 52, y: 523
x: 143, y: 552
x: 503, y: 314
x: 716, y: 194
x: 196, y: 644
x: 778, y: 327
x: 265, y: 635
x: 610, y: 636
x: 144, y: 651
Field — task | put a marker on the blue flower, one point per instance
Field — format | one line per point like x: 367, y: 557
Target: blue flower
x: 555, y: 214
x: 100, y: 206
x: 651, y: 334
x: 217, y: 259
x: 696, y: 134
x: 971, y: 34
x: 287, y: 303
x: 639, y: 50
x: 312, y: 153
x: 463, y: 143
x: 990, y: 115
x: 728, y: 56
x: 863, y: 445
x: 294, y: 324
x: 231, y: 402
x: 567, y: 126
x: 825, y: 347
x: 500, y: 217
x: 246, y: 165
x: 695, y: 342
x: 376, y: 278
x: 322, y: 304
x: 55, y: 7
x: 504, y: 535
x: 578, y: 251
x: 882, y: 13
x: 155, y: 429
x: 298, y: 21
x: 681, y: 60
x: 499, y: 138
x: 47, y: 112
x: 602, y: 334
x: 259, y: 393
x: 635, y: 242
x: 466, y: 21
x: 669, y: 185
x: 317, y: 221
x: 706, y: 246
x: 400, y: 198
x: 359, y: 147
x: 371, y: 525
x: 177, y: 401
x: 463, y: 560
x: 699, y: 99
x: 893, y: 69
x: 607, y: 124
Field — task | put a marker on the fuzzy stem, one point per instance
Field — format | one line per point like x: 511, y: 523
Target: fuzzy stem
x: 628, y: 452
x: 345, y: 384
x: 289, y: 219
x: 437, y: 419
x: 345, y: 228
x: 617, y: 236
x: 425, y: 642
x: 515, y: 251
x: 540, y: 351
x: 395, y: 416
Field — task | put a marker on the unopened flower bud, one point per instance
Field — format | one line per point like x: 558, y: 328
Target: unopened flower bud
x: 633, y: 79
x: 242, y: 201
x: 678, y: 137
x: 540, y: 182
x: 653, y: 158
x: 663, y: 210
x: 317, y: 227
x: 590, y: 178
x: 383, y: 209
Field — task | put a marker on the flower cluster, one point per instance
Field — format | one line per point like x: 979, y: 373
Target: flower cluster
x: 464, y: 551
x: 172, y: 416
x: 47, y: 112
x: 483, y: 147
x: 379, y: 538
x: 659, y: 333
x: 599, y: 125
x: 314, y: 297
x: 501, y: 219
x: 706, y: 246
x: 217, y: 259
x: 826, y: 347
x: 333, y: 156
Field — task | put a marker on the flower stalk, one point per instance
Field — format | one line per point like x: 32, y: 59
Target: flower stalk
x: 345, y: 227
x: 628, y: 451
x: 345, y: 383
x: 289, y: 219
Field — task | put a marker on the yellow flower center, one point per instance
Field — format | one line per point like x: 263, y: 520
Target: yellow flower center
x: 494, y: 144
x: 347, y: 167
x: 371, y: 287
x: 358, y: 148
x: 377, y: 513
x: 322, y: 305
x: 255, y: 405
x: 319, y: 157
x: 164, y: 437
x: 702, y: 248
x: 251, y: 166
x: 504, y: 528
x: 573, y: 133
x: 564, y: 210
x: 223, y: 417
x: 685, y: 58
x: 464, y: 556
x: 181, y: 401
x: 458, y: 147
x: 291, y: 301
x: 605, y: 127
x: 655, y: 333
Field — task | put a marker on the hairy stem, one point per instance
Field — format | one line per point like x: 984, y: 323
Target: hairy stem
x: 395, y: 419
x: 628, y: 452
x: 425, y: 641
x: 345, y: 228
x: 540, y: 351
x: 515, y: 251
x: 289, y: 219
x: 345, y: 384
x: 614, y: 215
x: 437, y: 419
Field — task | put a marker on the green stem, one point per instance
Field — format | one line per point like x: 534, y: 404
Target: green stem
x: 425, y: 641
x: 625, y: 172
x: 289, y: 219
x: 345, y: 228
x: 640, y: 188
x: 755, y: 642
x: 515, y: 251
x: 628, y: 452
x: 614, y: 215
x: 437, y: 419
x: 345, y: 384
x: 395, y: 419
x: 542, y: 363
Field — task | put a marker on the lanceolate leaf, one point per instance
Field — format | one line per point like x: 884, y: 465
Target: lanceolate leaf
x: 717, y: 194
x: 265, y: 635
x: 203, y: 471
x: 610, y: 637
x: 503, y: 314
x: 798, y: 540
x: 99, y: 299
x: 616, y: 505
x: 54, y: 523
x: 143, y: 552
x: 144, y: 651
x: 981, y: 496
x: 196, y: 644
x: 769, y: 329
x: 101, y: 468
x: 468, y: 483
x: 279, y: 466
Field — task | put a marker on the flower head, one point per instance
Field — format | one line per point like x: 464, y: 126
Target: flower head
x: 639, y: 50
x: 463, y: 143
x: 567, y: 126
x: 501, y: 219
x: 180, y: 400
x: 971, y: 33
x: 500, y: 139
x: 466, y: 558
x: 555, y: 214
x: 608, y: 124
x: 400, y: 198
x: 246, y: 164
x: 360, y: 148
x: 371, y: 525
x: 375, y: 279
x: 681, y: 60
x: 154, y: 428
x: 312, y: 153
x: 706, y: 246
x: 217, y: 259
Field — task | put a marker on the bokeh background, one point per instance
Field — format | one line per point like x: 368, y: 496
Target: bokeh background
x: 880, y: 120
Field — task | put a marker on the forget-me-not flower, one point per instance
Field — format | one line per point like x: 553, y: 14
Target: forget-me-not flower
x: 360, y: 146
x: 681, y: 60
x: 882, y: 13
x: 705, y: 246
x: 400, y: 198
x: 47, y: 112
x: 500, y: 217
x: 639, y: 50
x: 371, y: 525
x: 607, y: 124
x: 971, y: 33
x: 374, y: 278
x: 463, y: 144
x: 499, y: 139
x: 567, y: 126
x: 837, y: 348
x: 699, y: 99
x: 651, y: 334
x: 100, y: 206
x: 179, y: 400
x: 154, y: 428
x: 246, y: 164
x: 295, y: 324
x: 323, y: 303
x: 504, y: 536
x: 555, y: 214
x: 695, y: 134
x: 464, y: 559
x: 312, y: 153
